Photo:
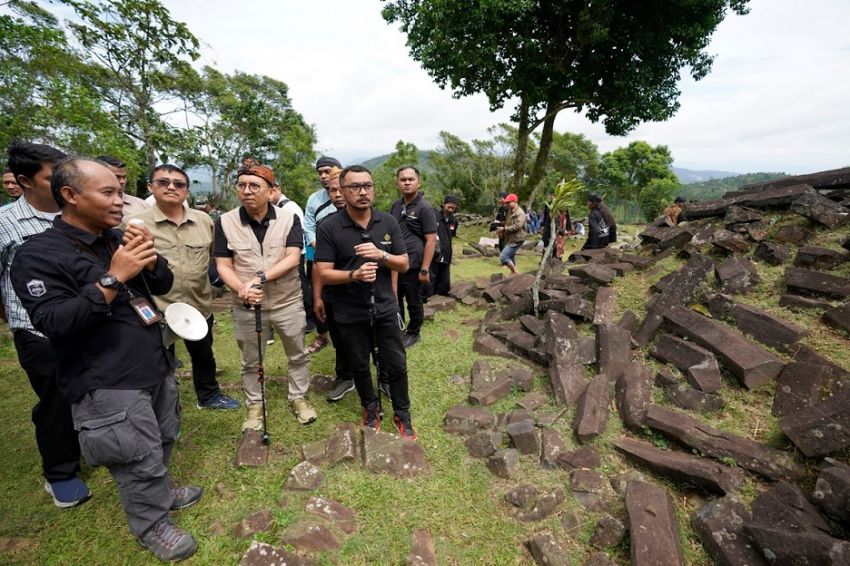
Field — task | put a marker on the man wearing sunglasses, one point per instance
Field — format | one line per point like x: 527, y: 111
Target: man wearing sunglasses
x: 257, y: 251
x: 184, y: 236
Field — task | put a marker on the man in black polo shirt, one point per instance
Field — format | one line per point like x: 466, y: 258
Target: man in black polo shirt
x: 89, y: 291
x: 418, y: 224
x: 356, y: 250
x: 441, y: 278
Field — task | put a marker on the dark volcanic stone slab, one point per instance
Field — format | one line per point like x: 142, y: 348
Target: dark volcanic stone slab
x: 592, y: 409
x: 422, y: 552
x: 251, y: 452
x: 807, y: 547
x: 481, y: 374
x: 806, y: 282
x: 838, y: 318
x: 684, y: 355
x: 578, y: 307
x: 821, y: 209
x: 385, y: 453
x: 678, y: 291
x: 736, y: 275
x: 634, y: 395
x: 483, y: 444
x: 544, y: 507
x: 738, y: 214
x: 465, y: 420
x: 715, y: 443
x: 765, y: 327
x: 772, y: 254
x: 605, y: 305
x: 594, y: 274
x: 784, y: 505
x: 653, y: 526
x: 307, y: 536
x: 710, y: 475
x: 613, y: 350
x: 814, y: 257
x: 487, y: 345
x: 522, y: 495
x: 720, y: 527
x: 565, y: 374
x: 492, y: 392
x: 609, y: 531
x: 832, y: 490
x: 796, y: 235
x: 799, y: 303
x: 686, y: 397
x: 584, y: 457
x: 731, y: 242
x: 504, y: 463
x: 552, y: 445
x: 798, y: 387
x: 823, y: 429
x: 524, y: 437
x: 262, y: 554
x: 750, y: 363
x: 546, y: 550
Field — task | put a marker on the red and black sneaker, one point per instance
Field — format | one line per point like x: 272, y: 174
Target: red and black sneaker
x: 404, y: 427
x: 371, y: 417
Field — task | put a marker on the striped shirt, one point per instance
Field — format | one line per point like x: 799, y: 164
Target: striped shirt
x: 18, y: 222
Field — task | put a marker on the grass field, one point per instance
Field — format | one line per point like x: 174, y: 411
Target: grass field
x: 460, y: 502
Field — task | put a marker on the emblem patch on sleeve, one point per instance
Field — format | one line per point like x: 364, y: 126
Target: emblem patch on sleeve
x: 36, y: 288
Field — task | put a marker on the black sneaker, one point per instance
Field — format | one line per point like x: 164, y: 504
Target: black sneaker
x: 185, y: 497
x: 409, y: 340
x: 167, y: 542
x: 384, y: 386
x: 404, y: 427
x: 371, y: 419
x: 340, y: 388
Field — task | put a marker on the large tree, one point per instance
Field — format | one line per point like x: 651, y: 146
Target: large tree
x: 641, y: 174
x: 138, y: 52
x: 617, y: 61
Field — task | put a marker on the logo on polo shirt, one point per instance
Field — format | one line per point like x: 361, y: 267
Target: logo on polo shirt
x: 386, y: 237
x: 36, y: 288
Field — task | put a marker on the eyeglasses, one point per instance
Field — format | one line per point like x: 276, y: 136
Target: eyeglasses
x: 359, y: 187
x: 251, y: 187
x: 163, y: 183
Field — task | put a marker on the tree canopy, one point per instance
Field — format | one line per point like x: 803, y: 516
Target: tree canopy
x: 617, y: 61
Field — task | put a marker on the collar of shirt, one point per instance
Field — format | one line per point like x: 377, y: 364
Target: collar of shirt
x: 416, y: 200
x: 348, y: 222
x: 86, y: 238
x: 24, y: 210
x: 159, y: 215
x: 246, y: 219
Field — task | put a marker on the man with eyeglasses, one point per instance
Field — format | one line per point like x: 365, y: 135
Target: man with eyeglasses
x: 132, y: 204
x: 257, y: 250
x: 184, y: 236
x: 418, y: 224
x: 356, y: 250
x: 318, y: 206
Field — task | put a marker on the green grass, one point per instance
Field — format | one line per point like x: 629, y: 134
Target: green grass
x: 460, y: 502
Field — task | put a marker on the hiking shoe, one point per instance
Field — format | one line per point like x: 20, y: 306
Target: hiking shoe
x: 404, y: 427
x: 340, y: 388
x: 384, y: 386
x: 270, y: 341
x: 219, y: 401
x: 67, y: 493
x: 167, y: 542
x: 302, y: 411
x: 185, y: 496
x: 409, y: 340
x: 255, y: 418
x: 371, y: 419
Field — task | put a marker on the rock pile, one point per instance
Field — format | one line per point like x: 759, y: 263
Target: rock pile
x: 705, y: 329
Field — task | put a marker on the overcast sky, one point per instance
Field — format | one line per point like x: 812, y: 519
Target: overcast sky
x: 777, y: 99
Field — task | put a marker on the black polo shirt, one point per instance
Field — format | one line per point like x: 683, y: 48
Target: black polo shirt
x: 98, y: 345
x: 295, y: 238
x: 336, y: 237
x: 415, y: 219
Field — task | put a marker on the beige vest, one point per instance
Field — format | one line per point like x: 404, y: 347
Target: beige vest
x: 249, y: 258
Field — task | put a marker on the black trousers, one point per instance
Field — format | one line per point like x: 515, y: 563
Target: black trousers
x: 54, y: 428
x: 410, y: 290
x: 392, y: 359
x: 307, y: 290
x: 341, y: 363
x: 203, y: 364
x: 441, y: 277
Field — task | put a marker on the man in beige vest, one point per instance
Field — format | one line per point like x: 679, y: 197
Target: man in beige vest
x: 257, y: 251
x: 184, y: 237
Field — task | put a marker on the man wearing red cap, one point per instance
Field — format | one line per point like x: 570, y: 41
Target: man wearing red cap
x: 513, y: 232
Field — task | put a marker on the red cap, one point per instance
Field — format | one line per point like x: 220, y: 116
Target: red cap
x: 510, y: 198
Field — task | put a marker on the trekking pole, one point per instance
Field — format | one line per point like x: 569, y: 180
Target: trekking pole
x: 366, y: 238
x: 261, y: 372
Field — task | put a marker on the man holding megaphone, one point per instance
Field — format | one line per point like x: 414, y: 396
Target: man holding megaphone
x: 184, y: 236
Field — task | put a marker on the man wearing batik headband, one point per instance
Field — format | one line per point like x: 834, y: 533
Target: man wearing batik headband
x: 257, y: 251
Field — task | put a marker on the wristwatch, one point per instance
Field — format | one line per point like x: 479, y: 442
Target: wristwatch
x: 423, y: 272
x: 386, y: 257
x: 262, y: 276
x: 109, y: 281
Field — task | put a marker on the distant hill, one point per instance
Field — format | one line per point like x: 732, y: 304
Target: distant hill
x: 715, y: 188
x: 424, y: 164
x: 687, y: 176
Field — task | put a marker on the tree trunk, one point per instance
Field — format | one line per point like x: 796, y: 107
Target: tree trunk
x: 542, y: 158
x: 521, y: 147
x: 541, y: 269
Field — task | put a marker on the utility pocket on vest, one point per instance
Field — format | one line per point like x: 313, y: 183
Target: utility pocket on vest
x: 110, y: 439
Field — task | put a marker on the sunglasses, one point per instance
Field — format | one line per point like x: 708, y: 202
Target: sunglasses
x: 163, y: 183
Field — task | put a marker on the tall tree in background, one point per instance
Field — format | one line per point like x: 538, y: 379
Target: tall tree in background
x: 617, y: 61
x: 139, y: 52
x: 639, y: 173
x: 241, y: 115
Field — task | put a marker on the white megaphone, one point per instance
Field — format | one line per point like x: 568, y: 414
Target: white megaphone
x: 183, y: 321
